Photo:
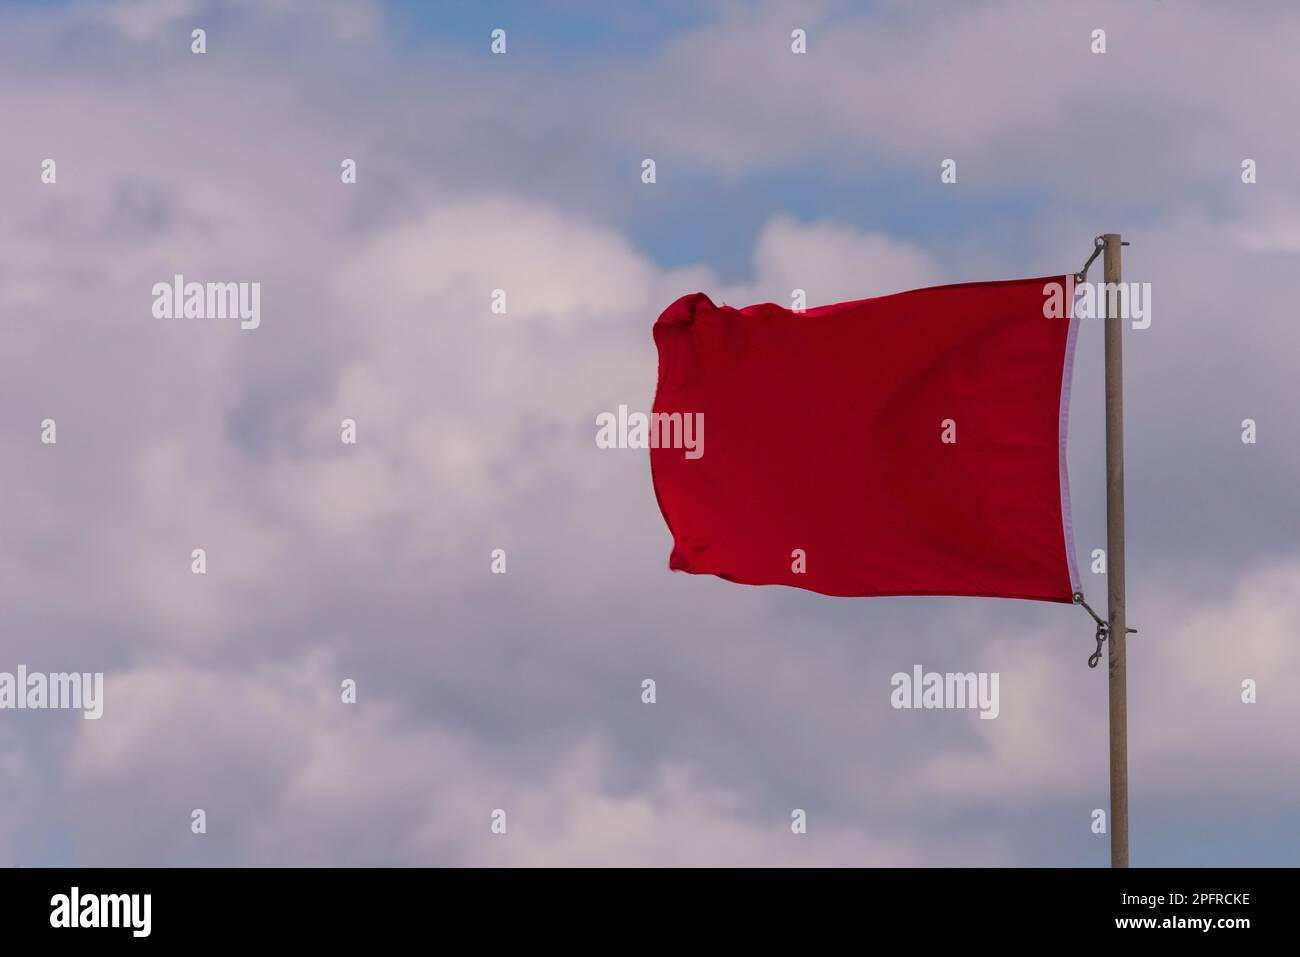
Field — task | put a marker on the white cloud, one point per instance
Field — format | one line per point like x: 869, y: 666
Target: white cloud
x: 835, y: 263
x: 288, y: 774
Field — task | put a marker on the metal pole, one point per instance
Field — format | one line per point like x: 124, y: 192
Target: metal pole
x: 1115, y: 560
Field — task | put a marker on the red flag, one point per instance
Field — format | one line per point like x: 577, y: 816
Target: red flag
x: 912, y: 444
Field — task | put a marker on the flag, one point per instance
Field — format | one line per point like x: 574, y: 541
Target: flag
x: 911, y: 444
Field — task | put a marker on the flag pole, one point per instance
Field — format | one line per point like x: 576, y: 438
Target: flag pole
x: 1118, y: 633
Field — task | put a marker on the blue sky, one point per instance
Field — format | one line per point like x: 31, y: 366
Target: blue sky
x: 549, y: 29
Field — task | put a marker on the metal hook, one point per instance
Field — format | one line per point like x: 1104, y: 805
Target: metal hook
x: 1102, y: 631
x: 1098, y: 244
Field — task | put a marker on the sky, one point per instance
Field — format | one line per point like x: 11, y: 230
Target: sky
x: 522, y: 171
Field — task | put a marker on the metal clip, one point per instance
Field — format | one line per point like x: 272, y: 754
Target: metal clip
x: 1103, y: 629
x: 1098, y: 244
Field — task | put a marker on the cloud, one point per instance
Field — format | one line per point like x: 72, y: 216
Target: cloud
x: 1001, y: 87
x: 321, y: 782
x: 836, y: 263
